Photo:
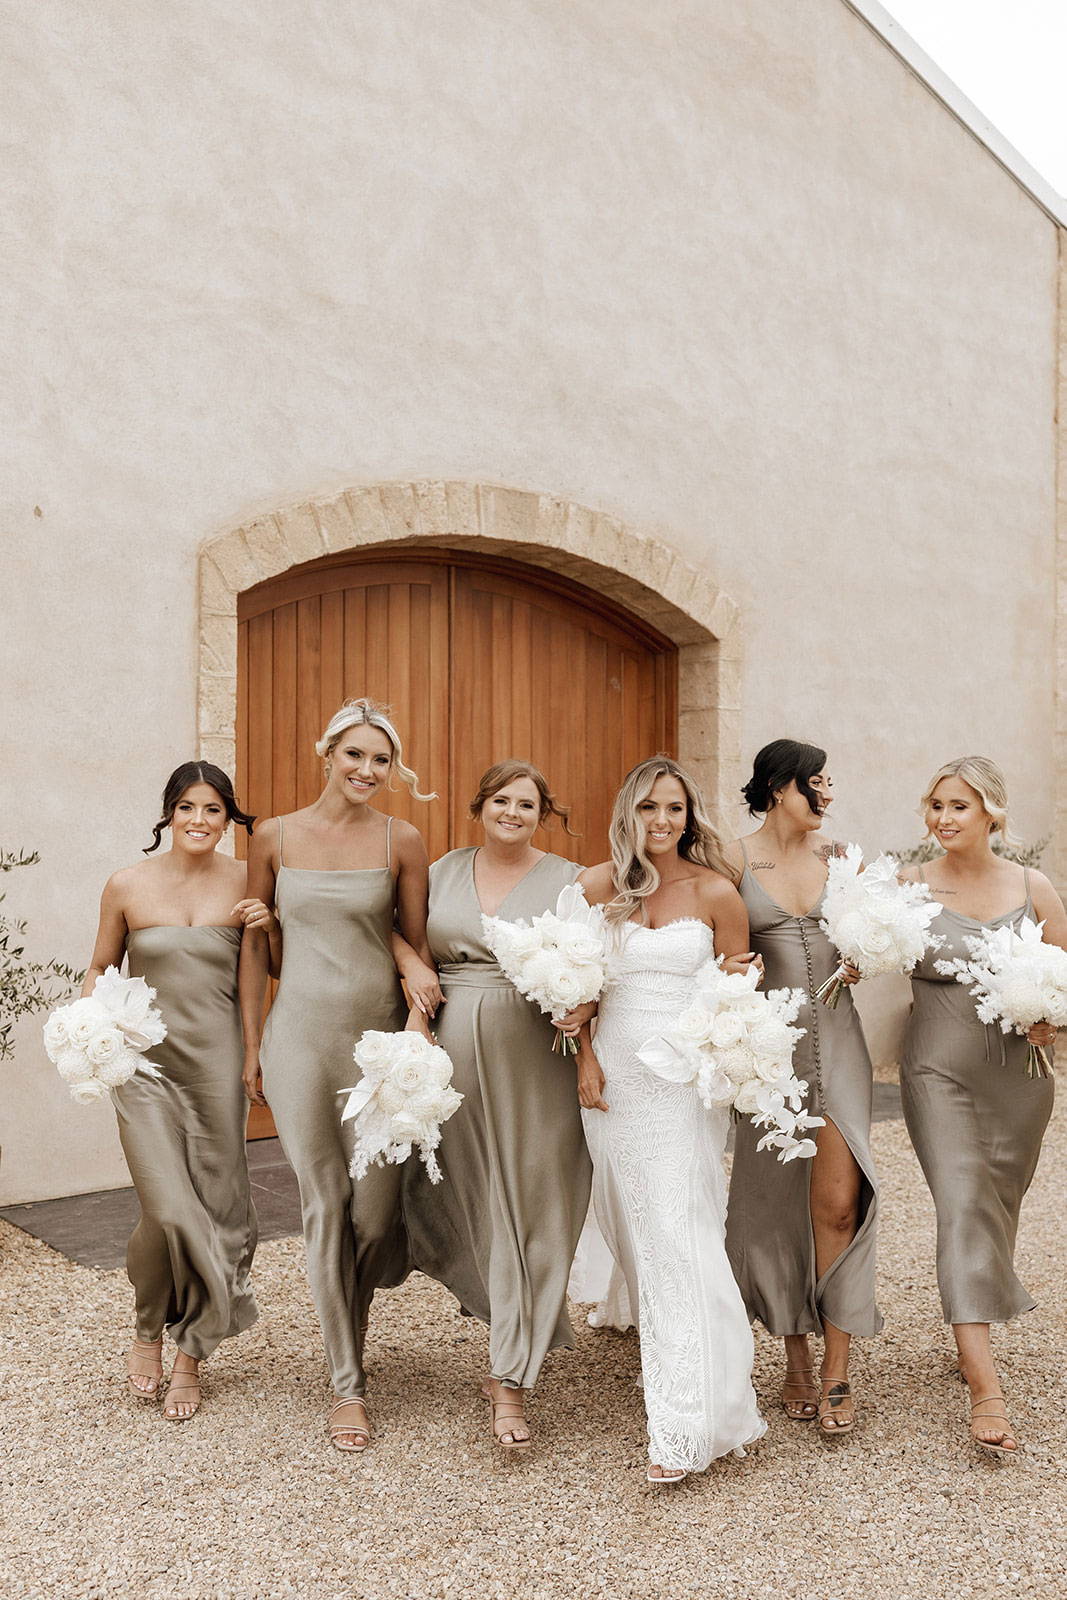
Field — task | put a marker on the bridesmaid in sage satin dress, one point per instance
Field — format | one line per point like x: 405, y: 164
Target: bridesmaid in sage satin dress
x: 801, y: 1235
x: 975, y: 1118
x: 500, y: 1231
x: 339, y: 875
x: 183, y: 1134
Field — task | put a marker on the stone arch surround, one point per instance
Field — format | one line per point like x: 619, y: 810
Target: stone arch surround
x: 642, y: 574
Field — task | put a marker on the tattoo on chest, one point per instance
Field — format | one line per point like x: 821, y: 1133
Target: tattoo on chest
x: 762, y: 866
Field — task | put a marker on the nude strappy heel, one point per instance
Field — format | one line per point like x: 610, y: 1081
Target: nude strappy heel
x: 339, y: 1427
x: 501, y: 1409
x: 1000, y: 1449
x: 831, y: 1424
x: 183, y: 1390
x: 145, y: 1361
x: 800, y: 1410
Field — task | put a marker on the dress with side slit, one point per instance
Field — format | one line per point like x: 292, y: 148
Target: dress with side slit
x: 337, y: 979
x: 768, y: 1228
x: 976, y: 1120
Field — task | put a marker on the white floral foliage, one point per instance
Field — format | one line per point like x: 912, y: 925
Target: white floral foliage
x: 403, y: 1097
x: 735, y: 1045
x: 559, y: 959
x: 1016, y: 978
x: 96, y: 1043
x: 875, y: 921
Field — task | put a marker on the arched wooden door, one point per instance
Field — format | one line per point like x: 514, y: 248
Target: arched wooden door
x: 479, y: 659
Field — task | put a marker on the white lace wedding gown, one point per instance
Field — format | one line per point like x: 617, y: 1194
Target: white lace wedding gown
x: 659, y: 1193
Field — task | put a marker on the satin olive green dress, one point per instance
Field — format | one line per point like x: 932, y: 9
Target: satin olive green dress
x: 183, y: 1136
x: 976, y: 1120
x: 337, y: 980
x: 501, y: 1228
x: 769, y: 1236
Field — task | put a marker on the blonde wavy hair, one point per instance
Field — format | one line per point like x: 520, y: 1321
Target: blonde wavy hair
x: 356, y: 713
x: 632, y: 872
x: 987, y: 781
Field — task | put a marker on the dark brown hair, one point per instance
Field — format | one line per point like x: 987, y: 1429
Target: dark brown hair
x: 504, y: 772
x: 778, y: 764
x: 183, y: 778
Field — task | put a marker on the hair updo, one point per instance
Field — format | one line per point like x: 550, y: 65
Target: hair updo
x: 778, y: 764
x: 183, y: 778
x: 356, y: 713
x: 502, y: 773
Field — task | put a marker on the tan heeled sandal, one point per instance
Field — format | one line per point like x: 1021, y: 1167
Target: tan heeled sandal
x: 499, y: 1410
x: 999, y: 1448
x: 183, y: 1390
x: 145, y: 1361
x: 800, y: 1378
x: 833, y: 1424
x: 341, y: 1428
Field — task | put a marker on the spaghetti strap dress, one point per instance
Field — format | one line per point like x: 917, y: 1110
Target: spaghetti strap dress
x: 337, y: 980
x: 501, y: 1228
x: 183, y: 1136
x: 976, y: 1120
x: 768, y: 1229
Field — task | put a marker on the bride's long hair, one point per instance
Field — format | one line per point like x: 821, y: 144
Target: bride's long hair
x: 634, y: 875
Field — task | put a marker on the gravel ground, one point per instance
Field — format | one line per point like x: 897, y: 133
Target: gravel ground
x: 103, y: 1498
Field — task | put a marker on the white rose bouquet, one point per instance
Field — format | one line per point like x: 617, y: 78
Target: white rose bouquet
x: 559, y: 960
x: 735, y: 1045
x: 402, y: 1099
x: 96, y: 1043
x: 1017, y: 980
x: 876, y: 922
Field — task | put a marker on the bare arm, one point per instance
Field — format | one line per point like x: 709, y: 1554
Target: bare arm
x: 726, y: 912
x: 255, y: 958
x: 1048, y: 908
x: 110, y: 946
x: 412, y: 888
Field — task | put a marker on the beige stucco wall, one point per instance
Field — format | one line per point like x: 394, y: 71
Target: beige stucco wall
x: 727, y: 273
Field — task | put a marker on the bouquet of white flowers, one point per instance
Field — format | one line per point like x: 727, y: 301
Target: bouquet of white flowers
x: 876, y: 922
x: 735, y: 1044
x: 559, y: 960
x: 1017, y: 980
x: 96, y: 1043
x: 402, y: 1099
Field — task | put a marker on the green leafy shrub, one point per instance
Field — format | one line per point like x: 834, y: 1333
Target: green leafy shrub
x: 25, y: 986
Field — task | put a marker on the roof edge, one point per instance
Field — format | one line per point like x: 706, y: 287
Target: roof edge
x: 977, y: 124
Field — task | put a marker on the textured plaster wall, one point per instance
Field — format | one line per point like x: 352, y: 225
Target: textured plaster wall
x: 724, y: 271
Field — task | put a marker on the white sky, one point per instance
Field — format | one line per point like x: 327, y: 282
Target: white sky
x: 1010, y: 59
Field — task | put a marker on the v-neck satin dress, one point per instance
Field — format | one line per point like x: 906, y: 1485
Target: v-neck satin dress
x: 768, y: 1229
x: 337, y: 979
x: 183, y: 1136
x: 500, y: 1229
x: 976, y: 1120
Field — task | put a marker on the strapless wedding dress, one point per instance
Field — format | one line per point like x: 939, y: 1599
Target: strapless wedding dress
x: 659, y: 1195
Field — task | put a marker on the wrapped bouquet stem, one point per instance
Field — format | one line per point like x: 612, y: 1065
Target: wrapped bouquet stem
x: 558, y: 960
x: 97, y: 1043
x: 403, y: 1097
x: 1017, y: 980
x: 735, y: 1044
x: 877, y: 923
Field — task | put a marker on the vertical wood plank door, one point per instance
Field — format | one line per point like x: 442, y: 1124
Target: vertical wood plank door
x: 479, y: 659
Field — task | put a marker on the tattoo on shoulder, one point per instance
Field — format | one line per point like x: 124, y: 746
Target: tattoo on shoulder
x: 827, y: 851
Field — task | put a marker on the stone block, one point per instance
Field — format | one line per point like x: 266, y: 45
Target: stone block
x: 431, y: 508
x: 370, y: 522
x: 508, y: 514
x: 220, y: 750
x: 268, y: 547
x: 218, y: 644
x: 698, y: 677
x: 698, y: 736
x: 301, y: 534
x: 462, y: 500
x: 217, y: 598
x: 217, y: 715
x: 552, y: 521
x: 239, y: 568
x: 335, y: 522
x: 400, y: 510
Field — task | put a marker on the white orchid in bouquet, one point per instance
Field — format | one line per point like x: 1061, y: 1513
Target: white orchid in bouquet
x: 558, y: 960
x: 403, y: 1097
x: 96, y: 1043
x: 877, y: 923
x: 735, y: 1045
x: 1018, y: 980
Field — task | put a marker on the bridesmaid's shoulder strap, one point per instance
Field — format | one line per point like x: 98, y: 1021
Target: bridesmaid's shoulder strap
x: 1026, y: 886
x: 280, y: 827
x: 389, y: 842
x: 922, y: 873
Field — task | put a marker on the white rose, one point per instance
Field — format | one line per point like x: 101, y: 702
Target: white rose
x: 84, y: 1094
x: 848, y: 931
x: 589, y: 977
x: 392, y: 1099
x: 56, y: 1036
x: 694, y: 1025
x: 769, y: 1069
x: 73, y: 1066
x: 727, y: 1029
x: 1022, y: 1002
x: 409, y: 1075
x: 565, y: 992
x: 747, y: 1100
x: 580, y: 944
x: 874, y: 941
x: 86, y: 1018
x: 104, y: 1046
x: 771, y: 1039
x: 372, y: 1051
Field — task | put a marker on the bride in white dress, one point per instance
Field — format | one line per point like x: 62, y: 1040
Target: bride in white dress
x: 659, y: 1189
